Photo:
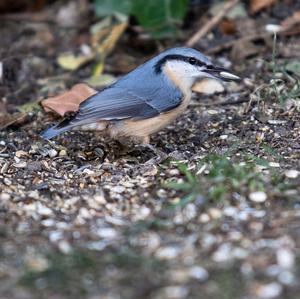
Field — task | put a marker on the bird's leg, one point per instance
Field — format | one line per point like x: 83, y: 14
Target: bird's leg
x: 125, y: 145
x: 159, y: 155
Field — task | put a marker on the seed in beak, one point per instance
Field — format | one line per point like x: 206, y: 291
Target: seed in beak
x: 229, y: 76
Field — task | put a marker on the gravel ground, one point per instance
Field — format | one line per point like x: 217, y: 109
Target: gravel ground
x: 217, y: 217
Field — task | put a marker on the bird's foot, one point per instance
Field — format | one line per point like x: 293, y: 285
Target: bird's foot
x: 159, y: 155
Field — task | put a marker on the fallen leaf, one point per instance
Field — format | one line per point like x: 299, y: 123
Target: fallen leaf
x: 68, y: 101
x: 291, y: 21
x: 227, y: 27
x: 208, y: 86
x: 104, y: 36
x: 258, y: 5
x: 7, y: 120
x: 69, y: 61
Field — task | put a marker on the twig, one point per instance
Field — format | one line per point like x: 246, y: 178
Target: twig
x: 211, y: 24
x: 231, y: 43
x: 286, y: 28
x: 27, y: 16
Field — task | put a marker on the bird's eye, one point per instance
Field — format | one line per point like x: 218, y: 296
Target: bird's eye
x: 192, y: 60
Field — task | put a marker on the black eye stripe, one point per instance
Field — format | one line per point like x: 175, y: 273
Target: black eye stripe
x: 192, y: 60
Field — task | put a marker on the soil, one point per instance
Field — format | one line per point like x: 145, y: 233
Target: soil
x: 84, y: 217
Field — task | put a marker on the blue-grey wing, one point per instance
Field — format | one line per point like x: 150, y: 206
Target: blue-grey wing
x: 117, y: 103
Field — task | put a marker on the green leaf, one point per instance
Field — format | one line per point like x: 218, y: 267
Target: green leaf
x: 160, y: 16
x: 178, y: 8
x: 109, y: 7
x: 293, y: 66
x: 149, y: 14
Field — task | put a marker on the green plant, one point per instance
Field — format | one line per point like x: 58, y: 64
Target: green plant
x: 189, y: 187
x: 159, y: 17
x: 222, y: 178
x: 283, y: 85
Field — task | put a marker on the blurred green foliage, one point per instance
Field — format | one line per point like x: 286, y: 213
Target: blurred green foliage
x: 223, y: 178
x: 158, y: 17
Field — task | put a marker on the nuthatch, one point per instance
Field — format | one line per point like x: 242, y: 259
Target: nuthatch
x: 145, y: 100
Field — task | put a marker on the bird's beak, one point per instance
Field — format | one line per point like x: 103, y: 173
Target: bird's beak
x: 221, y: 74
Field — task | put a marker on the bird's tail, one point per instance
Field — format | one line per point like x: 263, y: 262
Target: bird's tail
x: 54, y: 131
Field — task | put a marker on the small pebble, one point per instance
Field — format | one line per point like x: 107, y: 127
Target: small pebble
x: 174, y: 172
x: 54, y: 236
x: 223, y: 253
x: 62, y: 153
x: 285, y: 258
x: 274, y: 164
x: 174, y: 292
x: 167, y: 253
x: 100, y: 199
x: 269, y: 291
x: 48, y: 222
x: 212, y: 112
x: 223, y: 137
x: 292, y: 173
x: 199, y: 273
x: 204, y: 218
x: 20, y: 154
x: 107, y: 233
x: 64, y: 246
x: 276, y: 122
x: 118, y: 189
x: 36, y: 263
x: 286, y: 278
x: 215, y: 213
x: 52, y: 153
x: 5, y: 197
x: 258, y: 196
x: 230, y: 211
x: 7, y: 181
x: 43, y: 210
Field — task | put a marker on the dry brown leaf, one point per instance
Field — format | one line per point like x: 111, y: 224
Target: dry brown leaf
x: 228, y: 27
x: 291, y: 21
x: 258, y: 5
x: 68, y: 101
x: 7, y: 120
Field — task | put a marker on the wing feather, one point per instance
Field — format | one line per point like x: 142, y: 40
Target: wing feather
x: 117, y: 103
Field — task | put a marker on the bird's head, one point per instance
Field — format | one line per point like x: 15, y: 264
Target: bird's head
x: 185, y: 66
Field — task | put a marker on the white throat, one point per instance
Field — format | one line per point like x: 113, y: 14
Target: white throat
x: 181, y: 74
